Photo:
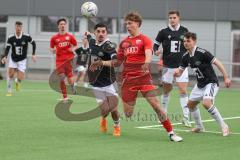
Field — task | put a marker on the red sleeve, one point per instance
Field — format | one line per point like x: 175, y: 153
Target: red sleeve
x: 73, y: 41
x: 148, y: 43
x: 52, y: 42
x: 120, y: 54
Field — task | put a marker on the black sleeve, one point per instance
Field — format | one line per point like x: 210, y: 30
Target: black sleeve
x: 8, y: 46
x: 184, y: 62
x: 79, y: 51
x: 110, y: 48
x: 6, y: 51
x: 33, y: 47
x: 208, y: 57
x: 30, y: 40
x: 158, y: 40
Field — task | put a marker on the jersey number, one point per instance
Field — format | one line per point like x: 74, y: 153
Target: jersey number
x: 199, y: 73
x: 19, y: 50
x: 175, y: 46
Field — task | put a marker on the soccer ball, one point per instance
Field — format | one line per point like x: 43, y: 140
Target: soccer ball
x: 89, y: 9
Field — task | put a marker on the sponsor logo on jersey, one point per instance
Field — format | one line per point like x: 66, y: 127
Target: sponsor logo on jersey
x: 169, y: 36
x: 63, y: 44
x: 131, y: 50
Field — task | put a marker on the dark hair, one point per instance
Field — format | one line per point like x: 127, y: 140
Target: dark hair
x: 18, y: 23
x: 61, y: 19
x: 174, y: 12
x: 134, y: 16
x: 191, y: 35
x: 101, y: 25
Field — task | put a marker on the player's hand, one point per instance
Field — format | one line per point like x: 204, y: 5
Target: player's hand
x: 87, y: 33
x: 34, y: 58
x: 94, y: 66
x: 145, y: 67
x: 4, y: 60
x: 157, y: 53
x: 227, y: 82
x: 53, y: 50
x: 176, y: 73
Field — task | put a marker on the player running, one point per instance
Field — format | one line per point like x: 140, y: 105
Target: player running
x: 207, y: 83
x: 103, y: 78
x: 62, y: 44
x: 135, y: 52
x: 18, y: 42
x: 171, y: 39
x: 82, y: 58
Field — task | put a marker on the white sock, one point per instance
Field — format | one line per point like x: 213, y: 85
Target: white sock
x: 165, y: 101
x: 183, y: 102
x: 116, y: 123
x: 217, y: 116
x: 197, y: 117
x: 9, y: 84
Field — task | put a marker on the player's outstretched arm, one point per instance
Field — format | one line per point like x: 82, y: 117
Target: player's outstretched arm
x: 4, y: 58
x: 34, y: 57
x: 222, y: 69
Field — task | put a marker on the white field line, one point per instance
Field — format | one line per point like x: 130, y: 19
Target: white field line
x: 188, y: 131
x: 175, y: 124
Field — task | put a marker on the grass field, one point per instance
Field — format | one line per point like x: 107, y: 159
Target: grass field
x: 31, y: 131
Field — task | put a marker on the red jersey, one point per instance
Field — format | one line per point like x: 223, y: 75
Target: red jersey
x: 63, y: 44
x: 132, y: 52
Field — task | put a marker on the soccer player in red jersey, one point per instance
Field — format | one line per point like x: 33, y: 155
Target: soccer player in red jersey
x: 135, y: 53
x: 62, y: 44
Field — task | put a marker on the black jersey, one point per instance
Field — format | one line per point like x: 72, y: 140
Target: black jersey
x: 172, y: 44
x: 82, y: 56
x: 201, y: 62
x: 19, y: 46
x: 104, y: 76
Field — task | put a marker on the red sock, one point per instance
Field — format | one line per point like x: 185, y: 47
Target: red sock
x: 63, y: 89
x: 167, y: 125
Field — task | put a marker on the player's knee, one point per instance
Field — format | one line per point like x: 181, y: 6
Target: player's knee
x: 207, y: 103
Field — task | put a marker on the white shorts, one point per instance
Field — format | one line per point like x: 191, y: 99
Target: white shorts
x: 101, y: 93
x: 80, y: 69
x: 168, y: 77
x: 208, y: 92
x: 20, y: 65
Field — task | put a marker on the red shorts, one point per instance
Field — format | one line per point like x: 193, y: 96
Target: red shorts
x: 65, y: 68
x: 132, y: 85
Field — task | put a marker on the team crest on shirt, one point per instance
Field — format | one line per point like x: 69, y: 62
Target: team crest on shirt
x: 23, y: 43
x: 169, y: 36
x: 67, y: 38
x: 100, y: 54
x: 197, y: 63
x: 14, y: 43
x: 138, y: 41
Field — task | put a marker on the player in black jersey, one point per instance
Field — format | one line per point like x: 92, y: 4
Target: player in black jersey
x: 82, y: 59
x: 18, y: 42
x: 171, y: 39
x: 102, y: 79
x: 200, y: 60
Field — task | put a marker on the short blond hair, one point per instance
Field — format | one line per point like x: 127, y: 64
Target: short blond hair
x: 134, y: 16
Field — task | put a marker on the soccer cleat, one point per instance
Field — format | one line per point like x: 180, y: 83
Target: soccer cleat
x: 197, y: 129
x: 225, y: 131
x: 186, y: 122
x: 116, y: 131
x: 18, y: 86
x: 103, y: 125
x: 175, y: 138
x: 9, y: 94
